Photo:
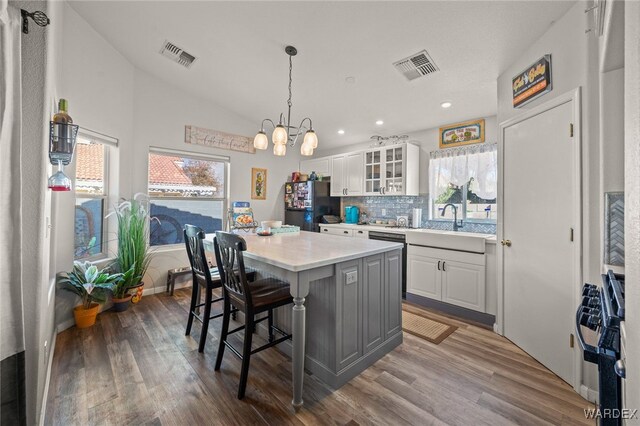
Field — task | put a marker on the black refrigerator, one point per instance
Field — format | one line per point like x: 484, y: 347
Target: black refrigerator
x: 306, y: 202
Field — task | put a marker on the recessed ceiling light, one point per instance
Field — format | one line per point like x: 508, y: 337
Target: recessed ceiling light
x: 379, y: 122
x: 446, y: 104
x: 350, y: 80
x: 341, y: 132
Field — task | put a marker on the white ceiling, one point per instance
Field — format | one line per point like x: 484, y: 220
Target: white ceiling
x: 242, y: 65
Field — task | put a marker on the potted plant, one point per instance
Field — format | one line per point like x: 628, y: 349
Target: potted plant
x: 120, y: 291
x: 92, y: 285
x: 134, y: 253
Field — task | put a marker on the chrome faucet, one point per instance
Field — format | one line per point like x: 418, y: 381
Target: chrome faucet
x: 456, y: 225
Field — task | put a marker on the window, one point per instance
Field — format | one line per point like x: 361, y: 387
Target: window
x: 185, y: 189
x: 91, y: 191
x: 466, y: 177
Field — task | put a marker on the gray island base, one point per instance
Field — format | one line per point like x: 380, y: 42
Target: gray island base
x: 347, y: 310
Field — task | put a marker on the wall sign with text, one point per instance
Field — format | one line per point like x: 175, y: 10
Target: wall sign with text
x: 217, y: 139
x: 533, y: 82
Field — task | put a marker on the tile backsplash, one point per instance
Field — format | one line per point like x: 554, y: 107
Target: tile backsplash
x: 403, y: 205
x: 614, y: 229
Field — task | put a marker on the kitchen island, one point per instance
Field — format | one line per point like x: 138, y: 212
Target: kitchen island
x: 352, y: 289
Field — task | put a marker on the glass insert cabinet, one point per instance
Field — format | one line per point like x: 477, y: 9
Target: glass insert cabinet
x: 385, y: 170
x: 392, y: 170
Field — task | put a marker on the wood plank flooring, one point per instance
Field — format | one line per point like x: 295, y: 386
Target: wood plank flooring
x: 138, y: 367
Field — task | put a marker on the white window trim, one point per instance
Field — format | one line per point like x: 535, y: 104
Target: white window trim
x: 196, y: 156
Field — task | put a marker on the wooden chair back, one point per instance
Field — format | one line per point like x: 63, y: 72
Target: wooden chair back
x: 228, y: 251
x: 194, y: 242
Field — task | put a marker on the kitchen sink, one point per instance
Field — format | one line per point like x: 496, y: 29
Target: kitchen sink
x: 450, y: 240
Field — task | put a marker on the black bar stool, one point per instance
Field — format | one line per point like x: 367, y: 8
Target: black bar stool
x: 205, y: 277
x: 263, y: 295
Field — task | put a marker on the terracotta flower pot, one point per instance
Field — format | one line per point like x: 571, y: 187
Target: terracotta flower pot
x: 136, y: 291
x: 85, y: 317
x: 121, y: 305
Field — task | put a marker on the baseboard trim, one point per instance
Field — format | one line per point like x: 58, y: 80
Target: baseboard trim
x: 485, y: 319
x: 589, y: 394
x: 47, y: 380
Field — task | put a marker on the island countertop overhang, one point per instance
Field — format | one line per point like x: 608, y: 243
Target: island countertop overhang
x: 308, y: 250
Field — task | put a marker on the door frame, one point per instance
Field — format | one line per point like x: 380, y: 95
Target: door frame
x: 570, y: 96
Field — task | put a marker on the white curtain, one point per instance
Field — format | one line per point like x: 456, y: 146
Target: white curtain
x: 458, y: 165
x: 11, y: 317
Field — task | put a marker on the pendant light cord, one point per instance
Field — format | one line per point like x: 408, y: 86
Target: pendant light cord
x: 290, y: 71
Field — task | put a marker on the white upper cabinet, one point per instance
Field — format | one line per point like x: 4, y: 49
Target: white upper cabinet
x: 389, y: 170
x: 355, y: 174
x: 337, y: 178
x: 392, y: 170
x: 347, y: 178
x: 322, y: 166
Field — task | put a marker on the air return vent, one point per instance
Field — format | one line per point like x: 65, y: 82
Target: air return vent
x: 417, y: 65
x: 176, y: 54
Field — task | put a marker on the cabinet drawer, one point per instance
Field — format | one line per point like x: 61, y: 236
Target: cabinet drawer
x: 337, y: 231
x: 360, y: 233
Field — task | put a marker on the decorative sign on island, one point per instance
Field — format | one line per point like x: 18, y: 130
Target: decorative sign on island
x: 216, y: 139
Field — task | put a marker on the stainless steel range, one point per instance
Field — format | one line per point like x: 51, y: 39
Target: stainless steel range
x: 602, y: 310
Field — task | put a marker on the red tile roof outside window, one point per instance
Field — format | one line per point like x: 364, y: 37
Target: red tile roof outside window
x: 169, y: 176
x: 166, y: 169
x: 89, y: 168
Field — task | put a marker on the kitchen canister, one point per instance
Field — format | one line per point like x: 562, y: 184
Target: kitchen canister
x: 416, y: 218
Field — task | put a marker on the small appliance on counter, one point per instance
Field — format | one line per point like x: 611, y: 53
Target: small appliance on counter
x: 307, y: 202
x: 416, y: 218
x: 329, y: 218
x: 351, y: 215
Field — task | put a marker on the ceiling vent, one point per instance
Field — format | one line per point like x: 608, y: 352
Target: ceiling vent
x: 176, y: 54
x: 417, y: 65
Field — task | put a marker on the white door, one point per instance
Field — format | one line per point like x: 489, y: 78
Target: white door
x: 424, y: 278
x: 354, y: 175
x: 337, y: 177
x: 463, y: 284
x: 539, y: 210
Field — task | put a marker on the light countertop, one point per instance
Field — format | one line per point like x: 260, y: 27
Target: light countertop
x: 307, y: 250
x: 490, y: 238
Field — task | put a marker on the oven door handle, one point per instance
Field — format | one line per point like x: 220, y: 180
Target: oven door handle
x: 590, y: 352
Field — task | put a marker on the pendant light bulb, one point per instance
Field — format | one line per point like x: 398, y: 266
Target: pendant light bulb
x: 261, y: 141
x: 279, y: 136
x: 279, y: 149
x: 306, y: 149
x: 311, y: 138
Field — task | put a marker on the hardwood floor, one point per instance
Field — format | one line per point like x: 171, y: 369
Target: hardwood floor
x: 138, y: 367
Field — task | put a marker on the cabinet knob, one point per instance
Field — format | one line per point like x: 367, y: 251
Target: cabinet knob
x: 506, y: 243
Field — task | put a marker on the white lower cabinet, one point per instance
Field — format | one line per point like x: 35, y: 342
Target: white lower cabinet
x: 450, y: 276
x: 463, y: 284
x: 424, y: 276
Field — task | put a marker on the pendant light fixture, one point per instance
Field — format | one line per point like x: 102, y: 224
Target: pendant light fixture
x: 284, y: 133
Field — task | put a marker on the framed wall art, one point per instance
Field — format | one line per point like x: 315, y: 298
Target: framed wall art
x: 465, y: 133
x: 258, y: 184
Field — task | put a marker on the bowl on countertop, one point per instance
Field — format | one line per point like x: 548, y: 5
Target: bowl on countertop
x: 267, y: 224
